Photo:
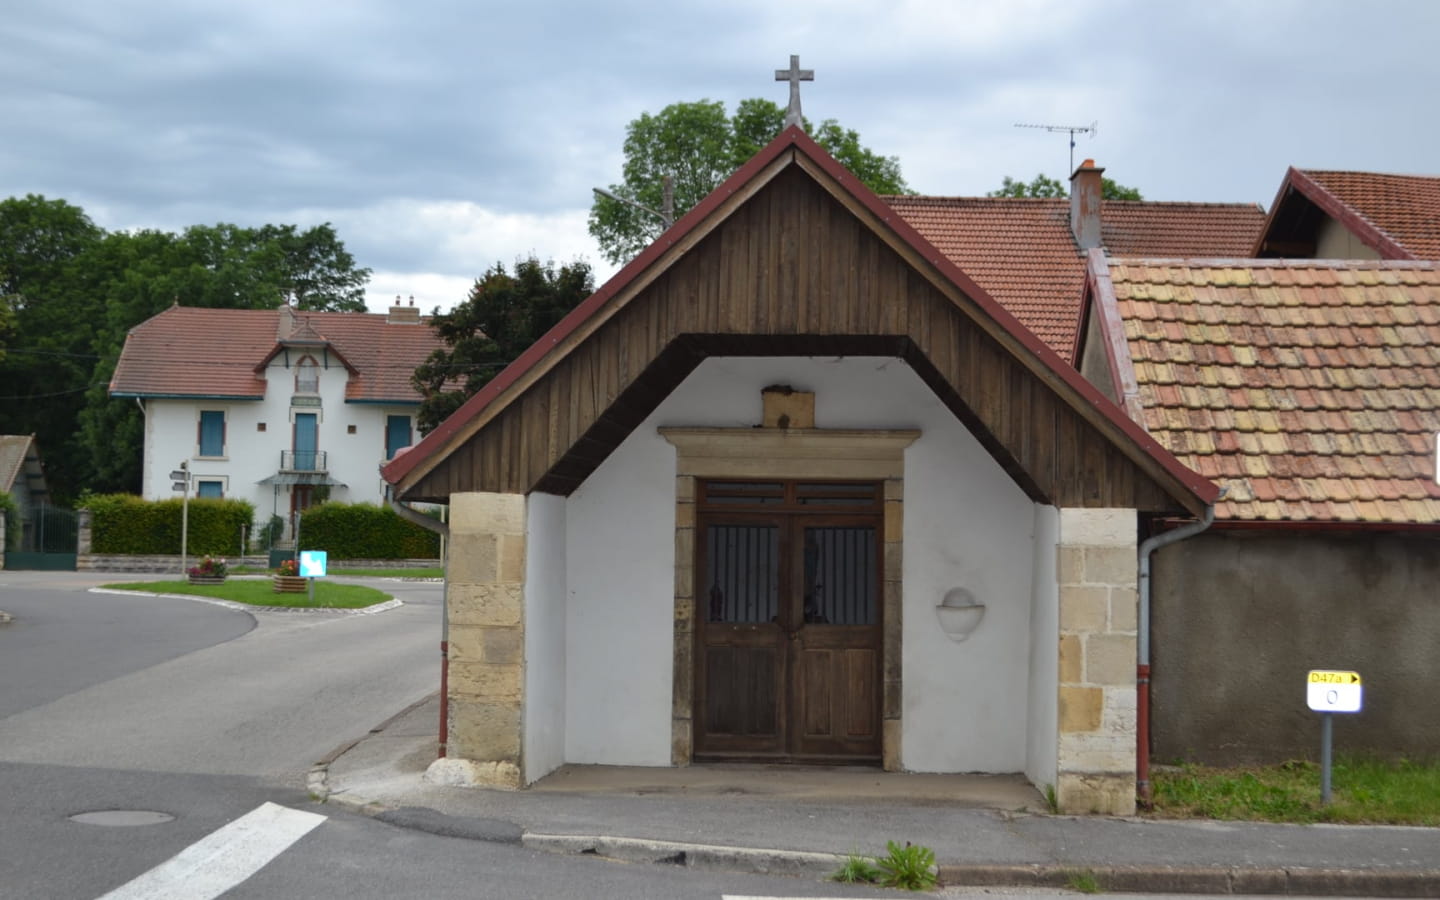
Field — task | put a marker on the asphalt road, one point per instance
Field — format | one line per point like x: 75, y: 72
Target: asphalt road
x: 126, y: 702
x: 213, y: 717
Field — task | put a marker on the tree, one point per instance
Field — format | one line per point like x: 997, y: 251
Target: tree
x: 698, y: 146
x: 503, y: 316
x: 1043, y: 186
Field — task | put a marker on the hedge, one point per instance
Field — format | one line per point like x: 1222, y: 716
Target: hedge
x: 365, y: 531
x: 126, y: 524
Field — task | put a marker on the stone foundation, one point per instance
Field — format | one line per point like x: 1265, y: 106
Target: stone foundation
x: 485, y: 596
x: 1098, y: 622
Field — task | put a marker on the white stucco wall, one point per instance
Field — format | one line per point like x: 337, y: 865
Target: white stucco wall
x: 251, y: 455
x: 545, y: 599
x: 966, y: 524
x: 1042, y: 763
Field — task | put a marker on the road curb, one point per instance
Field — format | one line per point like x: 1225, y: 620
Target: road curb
x: 1206, y: 879
x: 753, y: 860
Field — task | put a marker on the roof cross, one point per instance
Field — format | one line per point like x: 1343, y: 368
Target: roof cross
x: 794, y: 75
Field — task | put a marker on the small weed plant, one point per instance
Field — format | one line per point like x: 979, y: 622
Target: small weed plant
x: 1083, y: 882
x: 857, y: 870
x: 911, y: 867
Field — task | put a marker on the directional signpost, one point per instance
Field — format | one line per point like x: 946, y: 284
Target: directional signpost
x: 1330, y: 691
x: 180, y: 481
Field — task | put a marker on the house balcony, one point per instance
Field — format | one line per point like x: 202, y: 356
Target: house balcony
x: 303, y: 461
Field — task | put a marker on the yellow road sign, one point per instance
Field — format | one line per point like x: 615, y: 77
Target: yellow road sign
x: 1333, y: 690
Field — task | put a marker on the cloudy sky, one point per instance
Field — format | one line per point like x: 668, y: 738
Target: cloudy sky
x: 441, y: 136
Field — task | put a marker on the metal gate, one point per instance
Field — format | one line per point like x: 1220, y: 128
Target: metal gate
x: 49, y: 536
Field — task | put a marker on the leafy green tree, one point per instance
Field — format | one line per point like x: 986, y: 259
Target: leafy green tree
x: 504, y: 314
x: 699, y: 146
x: 1043, y: 186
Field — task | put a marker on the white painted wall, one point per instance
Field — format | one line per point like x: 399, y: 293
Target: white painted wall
x: 965, y: 524
x: 1042, y: 762
x: 171, y: 432
x: 545, y: 599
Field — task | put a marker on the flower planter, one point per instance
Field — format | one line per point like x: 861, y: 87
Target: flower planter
x: 206, y: 579
x: 290, y: 584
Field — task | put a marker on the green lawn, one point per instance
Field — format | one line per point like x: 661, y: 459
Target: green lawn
x: 1364, y: 790
x: 258, y: 592
x: 435, y: 572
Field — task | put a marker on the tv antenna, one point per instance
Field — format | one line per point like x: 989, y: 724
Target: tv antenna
x: 1072, y: 130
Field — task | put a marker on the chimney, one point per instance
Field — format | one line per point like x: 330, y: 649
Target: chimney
x: 1085, y: 204
x: 403, y: 315
x: 286, y: 325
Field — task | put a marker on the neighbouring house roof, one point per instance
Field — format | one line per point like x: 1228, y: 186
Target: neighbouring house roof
x: 20, y: 468
x: 192, y: 352
x: 792, y: 255
x: 1397, y: 216
x: 1311, y: 389
x: 14, y: 449
x: 1022, y: 251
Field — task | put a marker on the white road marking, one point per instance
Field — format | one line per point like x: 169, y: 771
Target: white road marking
x: 224, y: 858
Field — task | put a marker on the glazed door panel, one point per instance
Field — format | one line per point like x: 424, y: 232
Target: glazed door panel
x: 788, y: 636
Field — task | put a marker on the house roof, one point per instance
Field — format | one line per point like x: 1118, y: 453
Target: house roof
x: 192, y: 352
x: 14, y: 450
x: 1310, y: 388
x: 796, y: 187
x: 1397, y: 216
x: 1022, y: 252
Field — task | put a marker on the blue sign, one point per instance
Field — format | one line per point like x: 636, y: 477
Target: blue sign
x: 312, y: 563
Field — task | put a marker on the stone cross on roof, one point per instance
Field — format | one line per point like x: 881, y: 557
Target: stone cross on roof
x: 794, y: 75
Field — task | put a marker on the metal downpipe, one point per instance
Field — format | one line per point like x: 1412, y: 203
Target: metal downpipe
x: 1142, y: 679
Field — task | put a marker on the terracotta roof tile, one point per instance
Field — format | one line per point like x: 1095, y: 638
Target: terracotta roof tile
x: 192, y: 352
x: 1406, y: 208
x: 13, y: 450
x: 1022, y: 251
x: 1327, y: 411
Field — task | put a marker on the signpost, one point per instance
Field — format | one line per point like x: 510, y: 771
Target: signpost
x: 180, y: 481
x: 312, y: 566
x: 1330, y: 691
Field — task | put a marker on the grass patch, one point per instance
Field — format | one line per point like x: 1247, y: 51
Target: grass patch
x: 1365, y: 790
x: 1083, y: 882
x: 260, y: 593
x: 433, y: 572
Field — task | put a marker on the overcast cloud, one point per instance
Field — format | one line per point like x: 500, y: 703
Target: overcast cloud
x: 441, y: 137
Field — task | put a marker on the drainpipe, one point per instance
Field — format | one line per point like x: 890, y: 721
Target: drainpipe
x: 1142, y: 682
x: 410, y: 514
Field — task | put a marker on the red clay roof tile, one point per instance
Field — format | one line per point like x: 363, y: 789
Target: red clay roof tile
x: 1022, y: 252
x: 193, y: 352
x: 1405, y: 208
x: 1344, y: 431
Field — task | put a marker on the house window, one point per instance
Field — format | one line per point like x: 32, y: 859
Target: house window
x: 212, y: 432
x: 209, y: 488
x: 307, y: 376
x: 397, y: 434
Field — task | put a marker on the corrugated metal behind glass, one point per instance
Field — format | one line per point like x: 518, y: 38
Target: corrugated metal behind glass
x: 742, y: 581
x: 840, y: 579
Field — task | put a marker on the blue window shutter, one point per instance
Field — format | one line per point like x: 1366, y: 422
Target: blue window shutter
x: 212, y: 433
x: 209, y: 489
x: 397, y: 434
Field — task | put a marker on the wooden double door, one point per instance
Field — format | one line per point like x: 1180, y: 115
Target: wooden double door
x: 788, y: 622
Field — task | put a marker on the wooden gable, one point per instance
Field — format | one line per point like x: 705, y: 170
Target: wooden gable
x: 793, y: 263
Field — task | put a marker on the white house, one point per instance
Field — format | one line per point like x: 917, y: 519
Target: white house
x: 279, y: 407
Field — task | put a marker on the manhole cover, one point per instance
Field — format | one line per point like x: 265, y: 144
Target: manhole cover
x: 122, y: 817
